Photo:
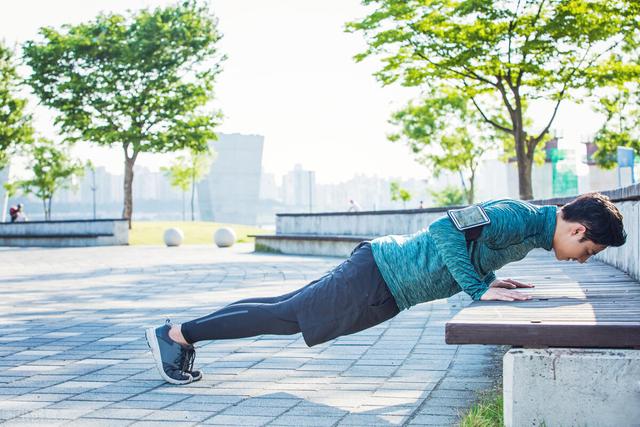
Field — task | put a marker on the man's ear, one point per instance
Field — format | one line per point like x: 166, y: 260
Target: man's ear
x: 577, y: 228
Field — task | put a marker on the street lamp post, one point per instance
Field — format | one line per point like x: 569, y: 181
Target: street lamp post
x: 93, y: 190
x: 310, y: 196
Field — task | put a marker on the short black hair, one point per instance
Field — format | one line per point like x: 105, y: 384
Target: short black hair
x: 600, y: 216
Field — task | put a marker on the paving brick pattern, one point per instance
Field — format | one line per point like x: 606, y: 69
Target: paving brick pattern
x: 72, y: 347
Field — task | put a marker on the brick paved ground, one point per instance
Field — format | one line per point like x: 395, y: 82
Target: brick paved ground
x: 72, y: 347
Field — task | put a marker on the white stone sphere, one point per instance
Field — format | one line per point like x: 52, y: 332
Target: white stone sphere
x: 173, y: 237
x: 224, y: 237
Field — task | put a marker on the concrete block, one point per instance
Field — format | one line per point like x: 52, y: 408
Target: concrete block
x: 571, y: 387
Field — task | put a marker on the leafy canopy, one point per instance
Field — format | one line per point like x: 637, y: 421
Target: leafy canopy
x: 15, y: 123
x: 398, y: 193
x: 52, y: 169
x: 187, y: 170
x: 622, y: 112
x: 515, y: 51
x: 138, y: 81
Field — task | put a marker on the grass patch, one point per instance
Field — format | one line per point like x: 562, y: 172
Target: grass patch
x: 487, y: 412
x: 195, y: 233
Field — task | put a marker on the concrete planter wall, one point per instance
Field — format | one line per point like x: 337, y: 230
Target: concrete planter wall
x: 328, y: 230
x: 101, y: 232
x: 370, y: 223
x: 626, y: 257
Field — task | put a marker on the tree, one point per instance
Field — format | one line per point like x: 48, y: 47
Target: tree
x: 515, y: 51
x: 141, y: 82
x: 398, y: 193
x: 15, y: 123
x: 445, y: 132
x: 53, y: 169
x: 449, y: 196
x: 622, y: 111
x: 188, y: 171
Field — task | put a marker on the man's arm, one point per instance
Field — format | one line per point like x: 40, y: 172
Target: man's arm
x: 510, y: 224
x: 452, y: 247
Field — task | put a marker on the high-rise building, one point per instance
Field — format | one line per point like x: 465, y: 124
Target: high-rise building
x: 298, y: 189
x: 231, y: 191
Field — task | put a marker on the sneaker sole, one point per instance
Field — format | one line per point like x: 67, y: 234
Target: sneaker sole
x: 152, y: 342
x: 198, y: 378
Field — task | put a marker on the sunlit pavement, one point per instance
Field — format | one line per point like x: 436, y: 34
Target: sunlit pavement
x: 72, y: 347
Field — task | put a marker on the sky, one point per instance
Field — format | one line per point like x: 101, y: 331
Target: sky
x: 290, y: 76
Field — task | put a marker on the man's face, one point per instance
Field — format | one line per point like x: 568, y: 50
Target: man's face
x: 570, y: 248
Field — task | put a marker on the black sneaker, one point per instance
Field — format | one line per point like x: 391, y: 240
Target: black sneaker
x: 188, y: 365
x: 172, y: 359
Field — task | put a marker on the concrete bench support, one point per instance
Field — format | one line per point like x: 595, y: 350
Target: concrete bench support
x: 571, y: 387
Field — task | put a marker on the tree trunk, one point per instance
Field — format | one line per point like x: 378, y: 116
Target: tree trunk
x: 49, y: 207
x: 525, y: 161
x: 193, y: 194
x: 464, y: 184
x: 471, y: 195
x: 44, y: 208
x: 525, y: 167
x: 5, y: 206
x: 184, y: 215
x: 128, y: 185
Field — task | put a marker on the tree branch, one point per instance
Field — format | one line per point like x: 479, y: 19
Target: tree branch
x: 503, y: 93
x: 566, y: 84
x: 471, y: 74
x: 488, y: 120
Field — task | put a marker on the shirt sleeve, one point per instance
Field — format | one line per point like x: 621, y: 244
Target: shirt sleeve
x: 489, y: 278
x: 452, y: 247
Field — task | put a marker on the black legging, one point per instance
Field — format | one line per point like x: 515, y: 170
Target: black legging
x: 247, y: 318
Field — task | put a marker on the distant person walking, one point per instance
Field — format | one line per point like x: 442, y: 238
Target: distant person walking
x: 354, y: 206
x: 421, y: 205
x: 17, y: 213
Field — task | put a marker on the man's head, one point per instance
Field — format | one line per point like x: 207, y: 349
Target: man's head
x: 586, y: 226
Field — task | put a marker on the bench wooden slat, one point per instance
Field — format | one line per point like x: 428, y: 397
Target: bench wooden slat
x: 561, y: 334
x: 589, y: 305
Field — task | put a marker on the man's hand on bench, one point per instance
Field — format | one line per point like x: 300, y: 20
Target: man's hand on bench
x: 510, y: 284
x: 500, y: 290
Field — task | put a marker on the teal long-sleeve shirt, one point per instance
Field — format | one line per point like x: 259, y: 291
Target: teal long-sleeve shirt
x: 435, y: 263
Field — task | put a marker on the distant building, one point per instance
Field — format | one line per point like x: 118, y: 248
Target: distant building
x: 298, y: 189
x: 268, y: 187
x: 231, y: 191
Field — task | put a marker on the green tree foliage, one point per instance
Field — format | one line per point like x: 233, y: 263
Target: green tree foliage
x: 445, y: 132
x: 15, y: 123
x: 449, y: 196
x: 52, y: 168
x: 622, y: 112
x: 514, y: 51
x: 399, y: 194
x: 141, y: 82
x: 187, y: 171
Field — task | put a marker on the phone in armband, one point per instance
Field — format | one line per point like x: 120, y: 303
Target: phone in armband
x: 469, y: 217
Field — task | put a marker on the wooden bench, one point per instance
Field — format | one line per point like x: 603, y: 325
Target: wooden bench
x: 591, y: 305
x: 575, y: 359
